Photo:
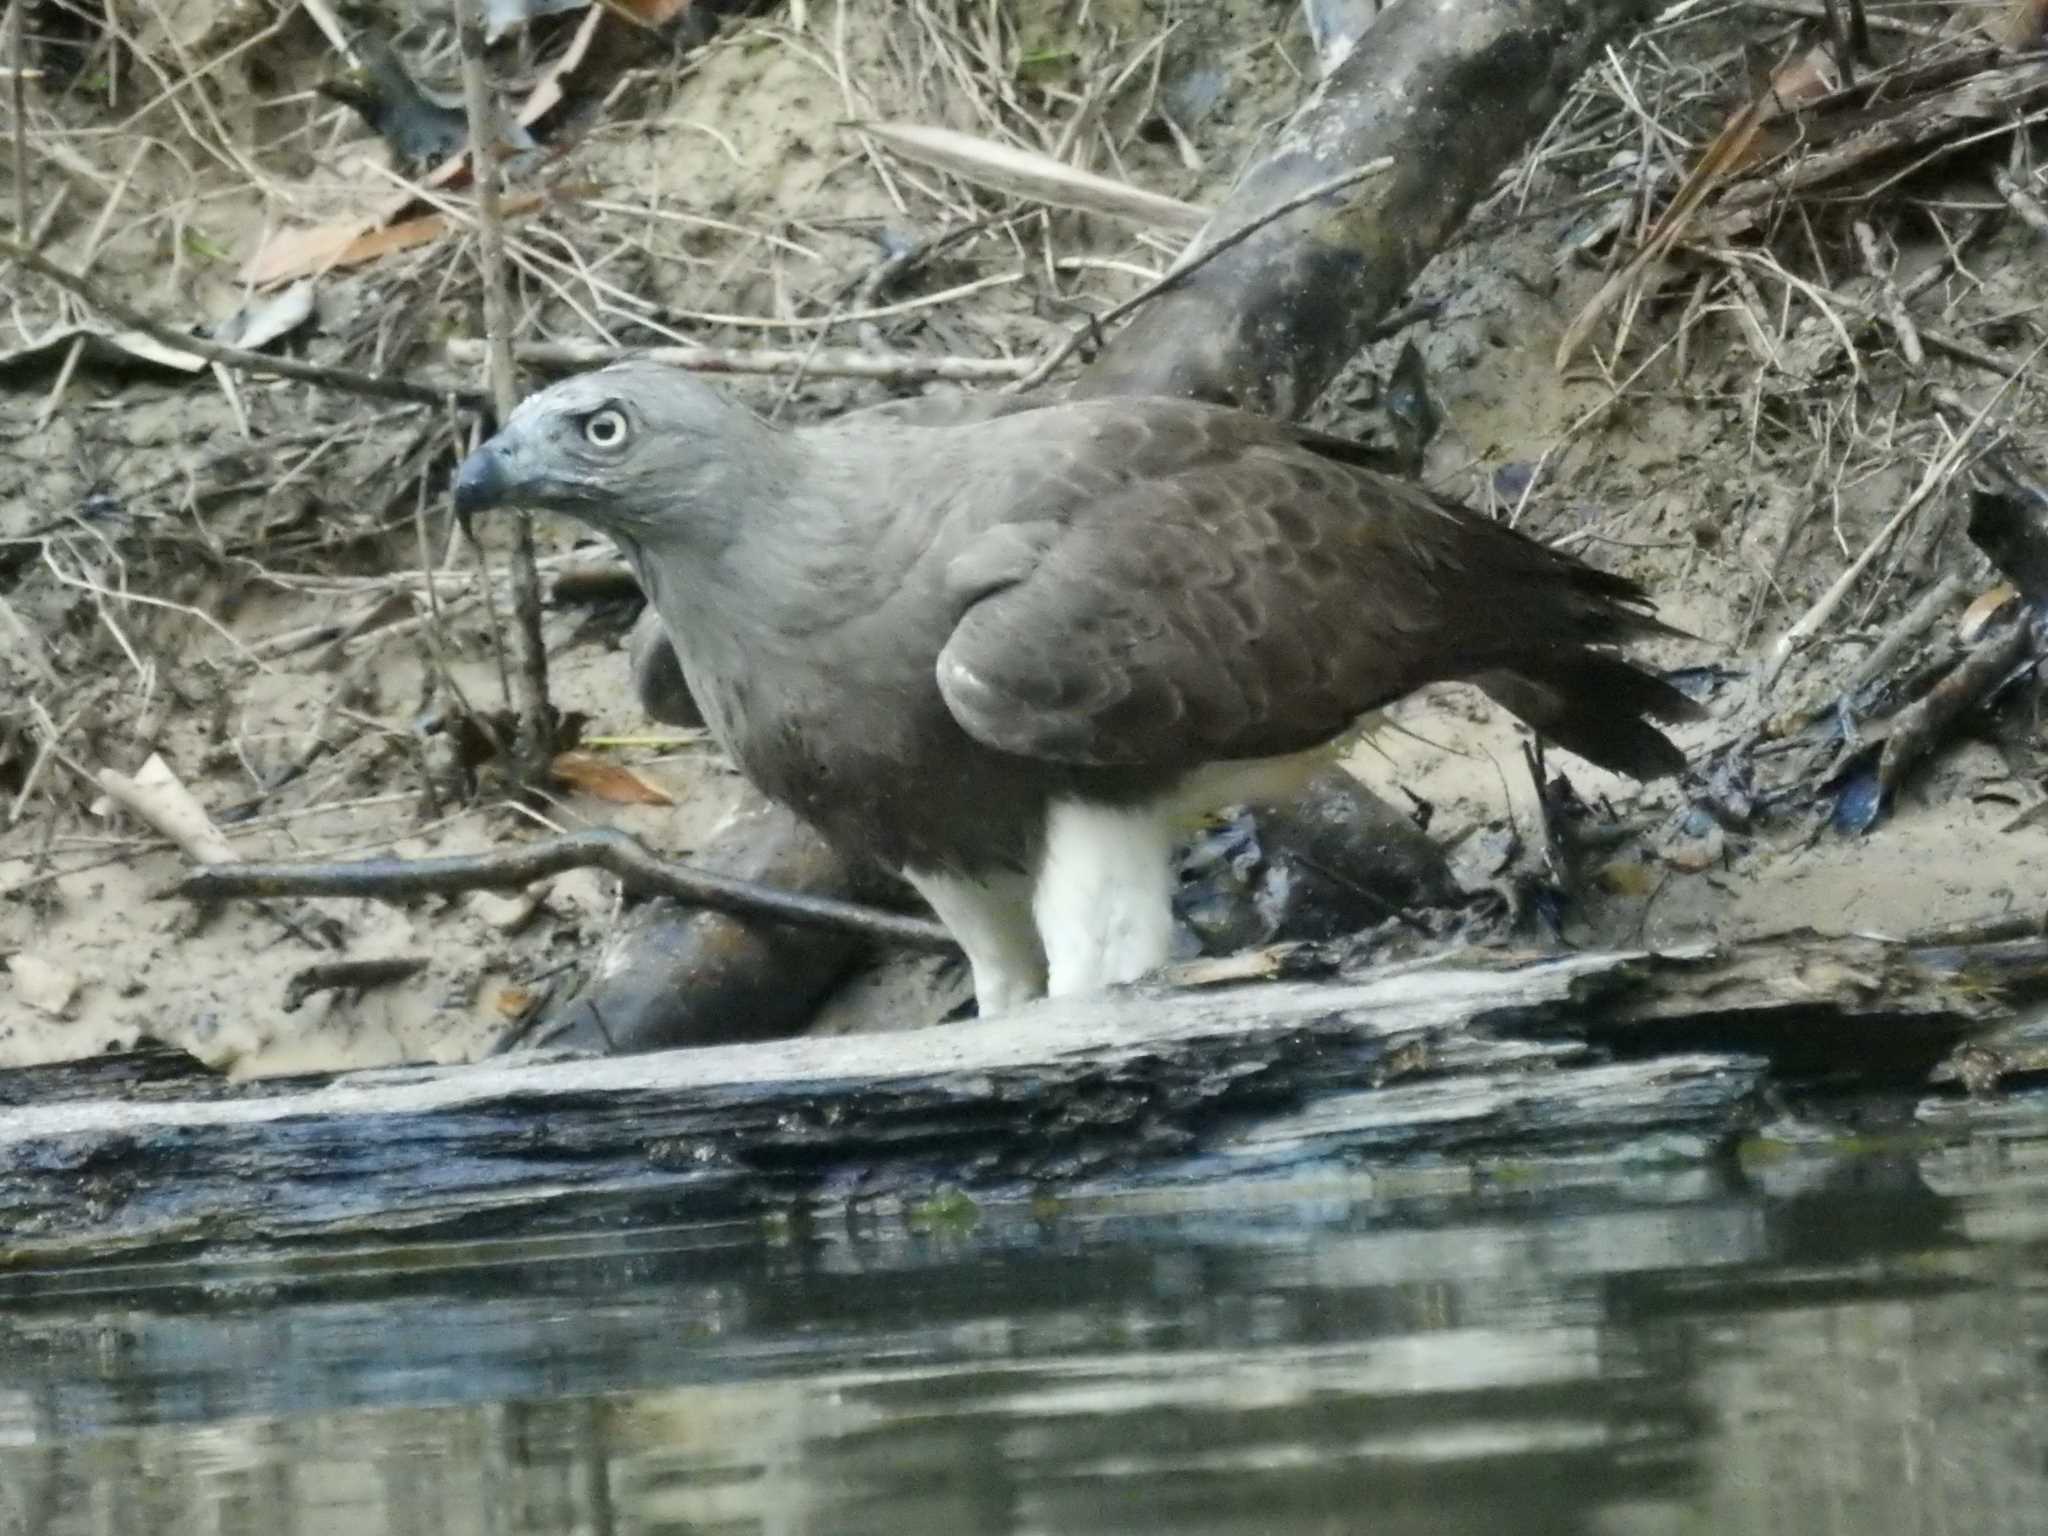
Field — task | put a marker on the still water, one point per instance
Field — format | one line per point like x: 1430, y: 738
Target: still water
x: 1855, y: 1342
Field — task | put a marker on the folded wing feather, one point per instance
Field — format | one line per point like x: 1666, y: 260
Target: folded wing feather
x: 1208, y: 586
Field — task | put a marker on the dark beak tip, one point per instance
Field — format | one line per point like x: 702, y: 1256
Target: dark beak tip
x: 480, y: 482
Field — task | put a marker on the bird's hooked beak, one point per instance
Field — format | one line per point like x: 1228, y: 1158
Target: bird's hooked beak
x: 484, y: 481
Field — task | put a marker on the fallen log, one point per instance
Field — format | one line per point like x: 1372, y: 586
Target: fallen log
x: 1057, y: 1094
x: 1505, y: 1056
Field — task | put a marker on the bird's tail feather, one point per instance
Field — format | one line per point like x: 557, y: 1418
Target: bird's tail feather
x: 1550, y: 625
x: 1598, y: 706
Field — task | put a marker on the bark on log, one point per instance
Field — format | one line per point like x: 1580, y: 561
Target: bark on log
x: 1488, y: 1058
x: 1064, y: 1094
x: 1452, y: 90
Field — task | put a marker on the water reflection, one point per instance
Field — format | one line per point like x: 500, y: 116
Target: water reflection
x: 1799, y: 1347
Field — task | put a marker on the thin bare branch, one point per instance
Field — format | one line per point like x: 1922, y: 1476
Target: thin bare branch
x: 605, y: 848
x: 823, y: 363
x: 262, y: 364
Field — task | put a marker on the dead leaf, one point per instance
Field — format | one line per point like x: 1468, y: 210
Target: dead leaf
x: 101, y: 346
x: 608, y: 780
x: 255, y: 326
x: 1988, y: 608
x: 251, y: 328
x: 297, y: 252
x: 512, y: 1002
x: 292, y: 253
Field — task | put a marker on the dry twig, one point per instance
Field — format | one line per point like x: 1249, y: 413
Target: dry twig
x: 17, y: 23
x: 1916, y: 621
x: 261, y: 364
x: 1938, y: 475
x: 529, y: 689
x: 1028, y: 174
x: 1923, y: 724
x: 350, y: 976
x: 606, y: 848
x: 2022, y: 202
x: 823, y: 362
x: 1889, y: 303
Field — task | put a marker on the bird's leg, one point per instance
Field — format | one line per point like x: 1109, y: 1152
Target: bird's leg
x: 1104, y: 898
x: 991, y: 917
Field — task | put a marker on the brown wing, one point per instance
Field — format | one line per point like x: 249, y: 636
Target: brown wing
x: 1211, y: 588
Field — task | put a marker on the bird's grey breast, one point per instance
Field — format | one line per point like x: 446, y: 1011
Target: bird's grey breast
x: 811, y: 648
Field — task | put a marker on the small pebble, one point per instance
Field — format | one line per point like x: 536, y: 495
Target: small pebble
x: 505, y: 911
x: 1696, y: 854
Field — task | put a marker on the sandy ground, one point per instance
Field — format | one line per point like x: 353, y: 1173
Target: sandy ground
x: 748, y: 197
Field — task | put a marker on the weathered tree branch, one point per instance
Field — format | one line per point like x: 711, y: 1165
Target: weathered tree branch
x: 1452, y: 91
x: 605, y: 848
x: 262, y: 364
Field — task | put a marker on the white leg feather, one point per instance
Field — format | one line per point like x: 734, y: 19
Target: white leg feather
x: 1104, y: 899
x: 991, y: 917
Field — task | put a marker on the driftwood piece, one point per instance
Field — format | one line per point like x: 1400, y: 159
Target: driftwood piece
x: 1510, y: 1056
x: 1928, y: 721
x: 1065, y: 1092
x: 1860, y: 1010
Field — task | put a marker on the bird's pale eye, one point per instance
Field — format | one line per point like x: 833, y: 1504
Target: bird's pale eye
x: 604, y: 429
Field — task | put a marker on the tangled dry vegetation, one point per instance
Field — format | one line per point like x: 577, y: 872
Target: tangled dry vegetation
x: 1754, y: 323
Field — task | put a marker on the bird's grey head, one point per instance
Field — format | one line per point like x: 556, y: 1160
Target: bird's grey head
x: 641, y: 450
